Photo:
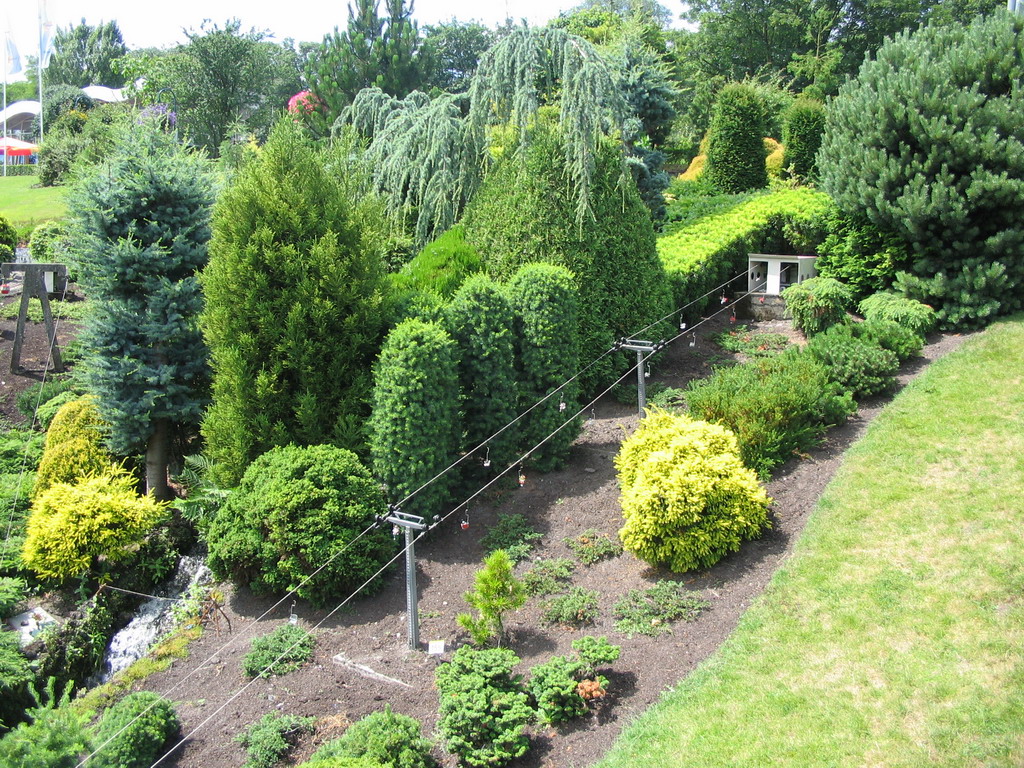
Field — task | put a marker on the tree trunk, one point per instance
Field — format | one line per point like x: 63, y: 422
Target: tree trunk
x: 157, y: 450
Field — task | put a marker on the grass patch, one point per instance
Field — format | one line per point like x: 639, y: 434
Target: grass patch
x: 62, y: 310
x: 592, y: 546
x: 652, y: 611
x: 894, y: 635
x: 26, y: 205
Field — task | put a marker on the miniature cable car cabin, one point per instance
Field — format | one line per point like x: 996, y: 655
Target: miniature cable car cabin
x: 770, y: 274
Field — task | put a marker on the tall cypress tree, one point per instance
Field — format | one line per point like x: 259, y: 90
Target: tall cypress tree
x: 294, y: 293
x: 143, y: 225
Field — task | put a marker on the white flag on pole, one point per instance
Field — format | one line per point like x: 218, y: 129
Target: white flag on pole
x: 45, y: 37
x: 12, y: 61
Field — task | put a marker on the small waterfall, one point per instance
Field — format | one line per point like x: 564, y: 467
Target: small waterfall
x: 153, y: 619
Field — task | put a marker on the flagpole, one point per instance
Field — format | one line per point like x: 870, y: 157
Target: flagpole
x: 39, y: 70
x: 7, y: 48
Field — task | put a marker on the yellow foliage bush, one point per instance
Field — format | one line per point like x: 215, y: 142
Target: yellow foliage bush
x: 694, y: 169
x: 774, y: 156
x: 72, y: 525
x: 74, y: 446
x: 686, y: 498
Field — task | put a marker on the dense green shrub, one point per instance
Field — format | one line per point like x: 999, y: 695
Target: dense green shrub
x: 713, y: 248
x: 74, y: 650
x: 890, y: 335
x: 803, y: 127
x: 919, y: 318
x: 12, y: 592
x: 545, y: 299
x: 775, y: 406
x: 928, y: 143
x: 296, y: 511
x: 558, y: 686
x: 268, y: 739
x: 858, y: 253
x: 525, y: 212
x: 50, y: 242
x: 294, y: 304
x: 29, y: 398
x: 483, y: 709
x: 496, y: 591
x: 55, y: 736
x: 817, y: 304
x: 134, y: 732
x: 108, y: 518
x: 855, y: 363
x: 441, y: 266
x: 20, y: 449
x: 735, y: 140
x: 687, y: 499
x: 481, y: 321
x: 513, y: 534
x: 8, y: 239
x: 415, y: 431
x: 74, y: 447
x: 15, y: 674
x: 386, y: 738
x: 46, y: 412
x: 282, y: 651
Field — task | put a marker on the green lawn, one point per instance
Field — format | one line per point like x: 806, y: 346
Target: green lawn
x: 25, y: 205
x: 894, y: 635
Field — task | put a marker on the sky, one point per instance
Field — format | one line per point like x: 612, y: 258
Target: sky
x: 159, y: 23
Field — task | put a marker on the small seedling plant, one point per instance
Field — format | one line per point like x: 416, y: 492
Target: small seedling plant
x: 576, y: 608
x: 549, y: 576
x: 512, y: 533
x: 284, y: 650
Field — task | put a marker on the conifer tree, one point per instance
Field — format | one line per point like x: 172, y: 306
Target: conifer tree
x: 546, y: 301
x: 414, y: 428
x: 294, y: 294
x: 373, y: 52
x: 736, y: 141
x: 142, y: 221
x: 801, y: 135
x: 482, y: 322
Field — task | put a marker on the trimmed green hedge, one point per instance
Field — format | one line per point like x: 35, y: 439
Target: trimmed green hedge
x: 713, y: 249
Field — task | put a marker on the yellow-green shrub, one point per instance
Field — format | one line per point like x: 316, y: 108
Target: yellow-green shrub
x: 74, y: 446
x: 687, y: 499
x: 71, y: 525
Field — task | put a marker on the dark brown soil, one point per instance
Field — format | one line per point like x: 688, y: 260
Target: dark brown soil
x: 216, y: 702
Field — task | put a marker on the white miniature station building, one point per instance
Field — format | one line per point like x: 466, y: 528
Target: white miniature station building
x: 770, y: 274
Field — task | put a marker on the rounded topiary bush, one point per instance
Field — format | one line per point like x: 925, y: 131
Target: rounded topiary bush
x: 298, y: 509
x: 736, y: 151
x: 817, y: 304
x: 803, y: 127
x: 687, y: 499
x: 50, y: 242
x: 8, y: 239
x: 134, y: 732
x: 884, y: 305
x: 384, y: 738
x: 928, y: 143
x: 890, y: 335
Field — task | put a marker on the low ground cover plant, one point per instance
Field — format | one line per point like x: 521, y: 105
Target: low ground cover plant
x: 744, y: 341
x: 592, y: 546
x: 548, y: 576
x: 576, y: 608
x: 652, y: 611
x: 282, y: 651
x: 513, y: 534
x: 910, y: 313
x: 268, y: 739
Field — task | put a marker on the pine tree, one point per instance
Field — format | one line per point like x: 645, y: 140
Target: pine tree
x: 928, y: 143
x: 142, y: 221
x: 496, y: 591
x: 294, y: 294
